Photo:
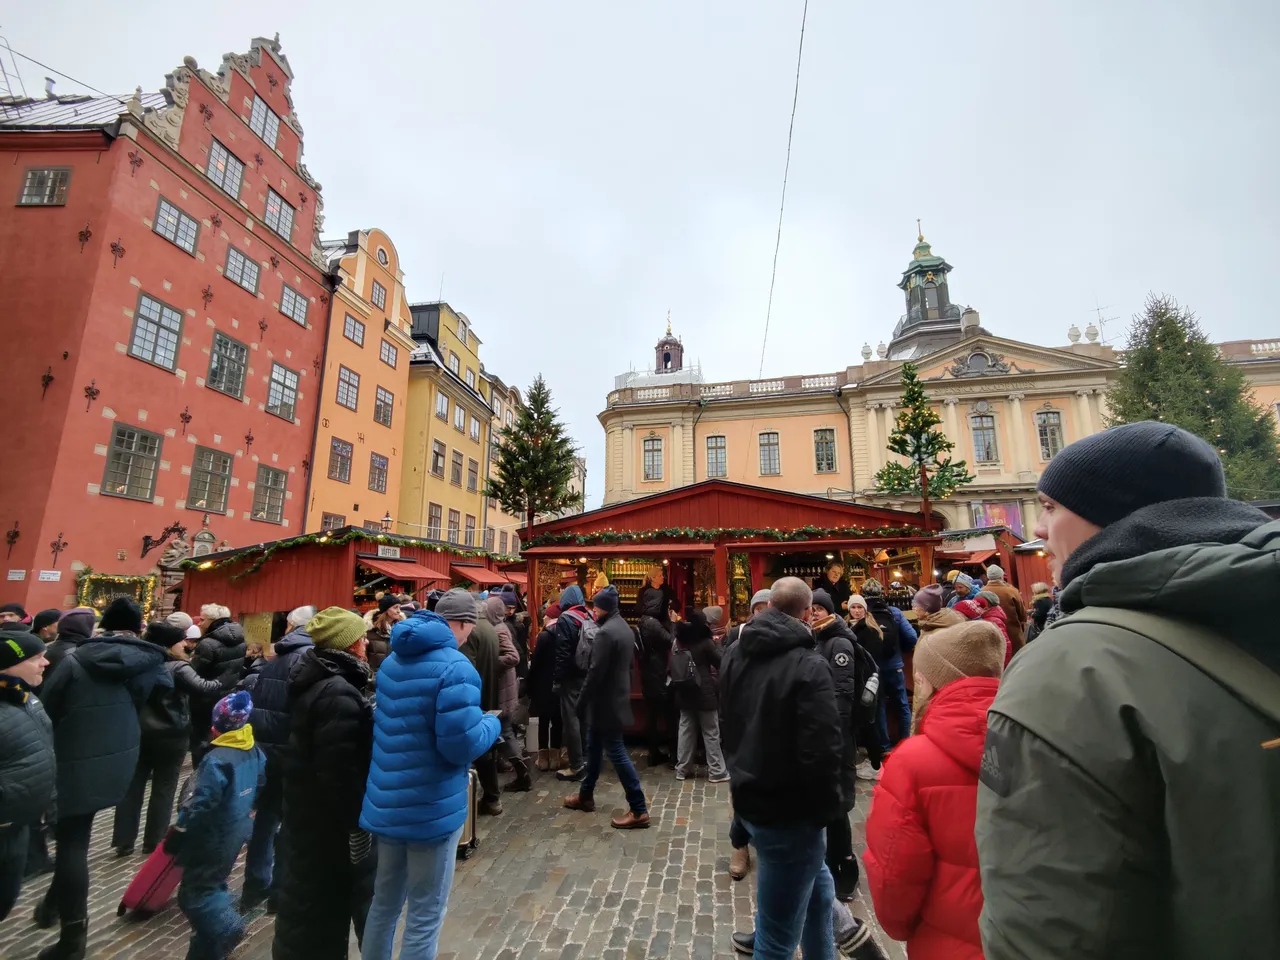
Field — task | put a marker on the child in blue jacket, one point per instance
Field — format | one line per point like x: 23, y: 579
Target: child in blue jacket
x: 213, y: 824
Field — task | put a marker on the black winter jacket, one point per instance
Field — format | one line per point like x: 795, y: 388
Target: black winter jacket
x: 871, y: 641
x: 891, y: 647
x: 28, y: 770
x: 780, y: 726
x: 57, y: 651
x: 606, y: 694
x: 656, y: 638
x: 93, y: 700
x: 271, y: 705
x: 167, y: 712
x: 326, y: 762
x: 706, y: 656
x: 839, y: 592
x: 567, y: 628
x: 836, y: 643
x: 543, y: 701
x: 220, y: 652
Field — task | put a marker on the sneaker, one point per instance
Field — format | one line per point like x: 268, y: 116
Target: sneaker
x: 723, y: 778
x: 859, y: 944
x: 866, y: 772
x: 572, y: 775
x: 744, y: 943
x: 680, y: 776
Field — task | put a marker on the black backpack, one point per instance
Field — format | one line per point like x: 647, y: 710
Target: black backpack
x: 682, y: 672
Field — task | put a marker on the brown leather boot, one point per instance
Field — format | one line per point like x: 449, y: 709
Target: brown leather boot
x: 544, y: 760
x: 575, y: 801
x: 630, y: 821
x: 739, y: 863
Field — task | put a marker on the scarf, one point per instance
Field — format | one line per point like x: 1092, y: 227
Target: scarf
x: 13, y: 689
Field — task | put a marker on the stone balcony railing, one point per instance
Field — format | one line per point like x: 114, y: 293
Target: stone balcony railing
x: 692, y: 392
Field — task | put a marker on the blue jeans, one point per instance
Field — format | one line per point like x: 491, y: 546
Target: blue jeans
x: 599, y: 744
x: 420, y: 873
x: 260, y: 867
x: 794, y: 893
x: 893, y: 696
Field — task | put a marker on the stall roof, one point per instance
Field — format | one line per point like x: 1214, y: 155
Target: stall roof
x: 622, y: 550
x: 720, y: 504
x: 402, y: 569
x: 974, y: 556
x: 481, y: 575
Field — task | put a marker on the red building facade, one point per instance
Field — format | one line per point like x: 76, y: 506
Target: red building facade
x: 165, y: 322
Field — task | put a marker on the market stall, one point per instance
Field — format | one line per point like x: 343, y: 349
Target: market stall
x: 348, y: 567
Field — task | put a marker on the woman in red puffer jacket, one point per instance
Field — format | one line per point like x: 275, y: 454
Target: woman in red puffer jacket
x: 921, y: 859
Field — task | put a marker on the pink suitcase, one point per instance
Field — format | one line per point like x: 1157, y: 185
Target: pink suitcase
x: 153, y: 886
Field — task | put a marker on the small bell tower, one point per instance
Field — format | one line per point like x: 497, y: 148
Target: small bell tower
x: 669, y: 353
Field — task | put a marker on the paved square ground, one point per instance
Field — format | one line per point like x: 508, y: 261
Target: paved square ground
x: 546, y: 883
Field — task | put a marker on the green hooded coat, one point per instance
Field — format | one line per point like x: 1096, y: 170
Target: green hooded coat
x: 1126, y: 808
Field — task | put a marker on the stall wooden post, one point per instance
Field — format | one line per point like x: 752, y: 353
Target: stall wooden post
x: 533, y: 596
x: 1006, y: 556
x: 720, y: 591
x: 926, y: 565
x: 756, y: 562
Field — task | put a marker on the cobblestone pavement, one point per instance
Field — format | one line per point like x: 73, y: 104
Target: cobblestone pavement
x: 546, y: 884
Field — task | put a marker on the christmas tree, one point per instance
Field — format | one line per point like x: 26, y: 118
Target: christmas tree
x: 1173, y: 373
x: 535, y: 461
x: 916, y: 436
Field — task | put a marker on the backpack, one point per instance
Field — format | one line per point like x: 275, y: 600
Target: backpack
x: 682, y: 672
x: 586, y: 639
x: 1217, y: 658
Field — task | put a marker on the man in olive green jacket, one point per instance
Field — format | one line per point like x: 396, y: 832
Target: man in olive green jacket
x: 1126, y: 807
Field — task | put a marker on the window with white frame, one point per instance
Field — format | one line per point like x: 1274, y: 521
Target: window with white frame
x: 471, y: 378
x: 379, y: 295
x: 340, y: 452
x: 332, y: 521
x: 717, y: 465
x: 983, y: 427
x: 454, y: 365
x: 383, y: 403
x: 157, y: 330
x: 210, y: 480
x: 434, y: 513
x: 241, y: 270
x: 469, y: 532
x: 176, y: 227
x: 353, y: 330
x: 1049, y: 431
x: 473, y: 475
x: 268, y: 494
x: 132, y: 462
x: 652, y: 447
x: 459, y: 417
x: 45, y: 187
x: 389, y: 354
x: 455, y: 468
x: 437, y: 458
x: 824, y: 450
x: 770, y: 455
x: 227, y: 361
x: 442, y: 406
x: 282, y: 392
x: 279, y: 214
x: 455, y: 521
x: 348, y: 388
x: 264, y: 122
x: 489, y: 534
x: 475, y: 429
x: 462, y: 331
x: 502, y: 542
x: 293, y: 305
x: 377, y: 473
x: 509, y: 417
x: 225, y: 169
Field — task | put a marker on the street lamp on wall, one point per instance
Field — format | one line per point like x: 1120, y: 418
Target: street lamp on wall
x: 387, y: 523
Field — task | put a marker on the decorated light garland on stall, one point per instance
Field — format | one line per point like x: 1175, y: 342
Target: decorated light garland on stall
x: 711, y: 534
x: 325, y: 538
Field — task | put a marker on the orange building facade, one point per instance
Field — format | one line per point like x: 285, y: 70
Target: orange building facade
x: 364, y: 392
x: 164, y: 280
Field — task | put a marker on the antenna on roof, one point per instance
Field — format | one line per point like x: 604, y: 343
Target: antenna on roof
x: 1101, y: 320
x: 10, y: 72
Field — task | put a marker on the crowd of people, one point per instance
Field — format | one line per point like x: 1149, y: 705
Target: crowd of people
x: 1051, y: 782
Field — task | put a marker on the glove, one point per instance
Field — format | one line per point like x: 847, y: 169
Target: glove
x: 174, y: 841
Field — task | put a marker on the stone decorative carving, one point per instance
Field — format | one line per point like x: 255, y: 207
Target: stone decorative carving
x: 174, y: 553
x: 980, y: 363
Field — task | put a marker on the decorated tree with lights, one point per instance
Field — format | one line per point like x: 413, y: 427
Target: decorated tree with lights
x: 929, y: 472
x: 1173, y: 373
x: 535, y: 461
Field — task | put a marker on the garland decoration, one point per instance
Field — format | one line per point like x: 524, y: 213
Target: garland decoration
x: 263, y: 552
x: 711, y: 534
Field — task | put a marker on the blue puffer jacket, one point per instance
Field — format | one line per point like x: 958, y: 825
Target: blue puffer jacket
x: 216, y: 817
x: 427, y: 728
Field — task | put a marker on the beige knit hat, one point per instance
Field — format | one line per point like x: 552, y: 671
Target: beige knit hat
x: 974, y: 648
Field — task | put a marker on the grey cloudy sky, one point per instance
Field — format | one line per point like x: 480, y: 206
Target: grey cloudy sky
x: 575, y: 169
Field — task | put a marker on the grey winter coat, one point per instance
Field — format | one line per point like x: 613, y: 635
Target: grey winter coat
x: 606, y: 694
x: 27, y: 767
x: 1125, y: 807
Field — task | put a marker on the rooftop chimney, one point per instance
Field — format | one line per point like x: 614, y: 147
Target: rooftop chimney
x: 48, y: 88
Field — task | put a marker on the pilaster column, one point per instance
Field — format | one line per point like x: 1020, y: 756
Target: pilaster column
x: 677, y: 455
x: 1087, y: 426
x: 953, y: 424
x: 875, y: 448
x: 890, y: 422
x: 628, y: 484
x: 1017, y: 433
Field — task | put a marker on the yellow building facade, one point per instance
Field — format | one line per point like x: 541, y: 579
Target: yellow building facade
x: 359, y: 449
x: 1009, y: 406
x: 447, y: 432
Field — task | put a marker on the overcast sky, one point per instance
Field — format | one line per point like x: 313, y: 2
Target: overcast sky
x: 574, y: 170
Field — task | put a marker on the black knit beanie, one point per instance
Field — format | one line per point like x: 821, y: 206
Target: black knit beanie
x: 122, y: 614
x: 1106, y: 477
